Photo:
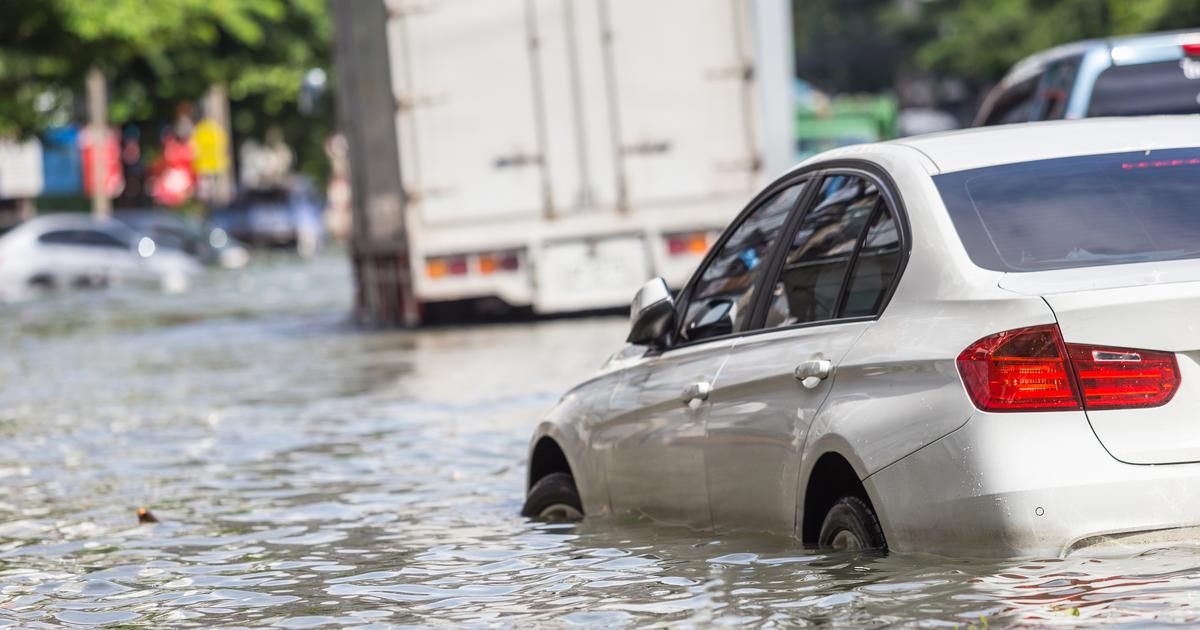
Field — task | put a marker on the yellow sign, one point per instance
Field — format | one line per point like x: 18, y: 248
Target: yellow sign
x: 211, y: 147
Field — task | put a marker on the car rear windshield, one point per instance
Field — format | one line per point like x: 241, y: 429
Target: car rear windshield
x: 1079, y: 211
x: 1167, y: 87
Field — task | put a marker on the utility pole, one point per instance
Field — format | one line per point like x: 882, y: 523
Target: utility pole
x: 367, y: 116
x: 97, y: 94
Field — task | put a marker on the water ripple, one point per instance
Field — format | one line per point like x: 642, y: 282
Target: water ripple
x: 308, y: 475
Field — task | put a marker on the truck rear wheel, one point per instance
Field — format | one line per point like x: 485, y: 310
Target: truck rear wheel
x: 554, y: 498
x: 851, y: 525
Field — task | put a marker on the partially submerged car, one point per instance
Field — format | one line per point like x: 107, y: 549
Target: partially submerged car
x: 208, y: 244
x: 61, y: 251
x: 980, y: 342
x: 285, y: 218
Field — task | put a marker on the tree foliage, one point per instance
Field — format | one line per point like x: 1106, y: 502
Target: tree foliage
x: 157, y: 53
x: 979, y: 40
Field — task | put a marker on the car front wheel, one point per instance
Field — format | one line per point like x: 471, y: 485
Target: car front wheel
x: 554, y: 498
x: 851, y: 525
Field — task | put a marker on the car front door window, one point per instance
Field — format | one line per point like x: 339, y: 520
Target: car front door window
x: 721, y: 298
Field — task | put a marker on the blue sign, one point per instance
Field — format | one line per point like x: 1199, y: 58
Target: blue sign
x: 62, y: 165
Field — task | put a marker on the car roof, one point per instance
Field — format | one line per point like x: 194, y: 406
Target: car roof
x: 73, y: 221
x: 979, y: 147
x: 1036, y: 62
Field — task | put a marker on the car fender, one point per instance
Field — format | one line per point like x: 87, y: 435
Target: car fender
x: 813, y: 451
x: 569, y: 425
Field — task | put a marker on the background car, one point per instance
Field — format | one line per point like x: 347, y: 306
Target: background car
x: 278, y: 218
x: 1134, y: 75
x: 76, y: 251
x: 977, y: 342
x: 208, y: 244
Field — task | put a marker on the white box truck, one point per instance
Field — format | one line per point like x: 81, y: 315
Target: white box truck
x: 555, y: 154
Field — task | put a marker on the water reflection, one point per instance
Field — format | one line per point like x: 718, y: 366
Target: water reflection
x: 308, y: 474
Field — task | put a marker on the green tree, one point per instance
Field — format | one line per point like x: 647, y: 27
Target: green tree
x: 980, y: 39
x: 157, y: 53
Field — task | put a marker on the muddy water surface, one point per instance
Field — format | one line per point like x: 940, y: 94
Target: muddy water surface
x: 310, y: 474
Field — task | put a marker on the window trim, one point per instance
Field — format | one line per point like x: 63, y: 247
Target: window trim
x: 887, y: 188
x: 844, y: 289
x: 1003, y: 95
x: 812, y: 173
x: 1052, y: 70
x: 790, y: 179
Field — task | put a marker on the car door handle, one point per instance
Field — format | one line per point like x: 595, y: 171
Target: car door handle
x: 696, y: 391
x: 811, y: 373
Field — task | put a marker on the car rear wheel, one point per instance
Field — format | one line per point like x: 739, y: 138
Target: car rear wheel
x: 554, y: 498
x: 851, y: 525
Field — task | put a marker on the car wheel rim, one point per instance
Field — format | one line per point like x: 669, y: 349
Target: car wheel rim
x: 846, y: 540
x: 560, y: 512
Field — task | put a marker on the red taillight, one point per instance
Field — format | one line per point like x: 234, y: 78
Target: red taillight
x: 446, y: 266
x: 1019, y: 370
x: 1191, y: 50
x: 1121, y: 378
x: 691, y: 243
x: 500, y: 261
x: 1028, y: 370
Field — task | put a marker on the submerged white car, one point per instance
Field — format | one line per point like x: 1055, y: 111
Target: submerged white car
x: 983, y: 342
x: 59, y: 251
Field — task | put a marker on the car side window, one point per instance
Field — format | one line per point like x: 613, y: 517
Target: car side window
x: 59, y: 237
x: 96, y: 238
x: 721, y: 298
x: 821, y: 252
x: 875, y: 265
x: 1014, y: 105
x: 1055, y: 91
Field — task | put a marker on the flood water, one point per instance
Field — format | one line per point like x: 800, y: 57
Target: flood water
x: 307, y: 473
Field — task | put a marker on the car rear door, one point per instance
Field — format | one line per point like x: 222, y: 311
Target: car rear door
x: 843, y: 259
x: 653, y: 439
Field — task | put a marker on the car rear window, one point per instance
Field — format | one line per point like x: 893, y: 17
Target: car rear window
x: 1167, y: 87
x: 1079, y: 211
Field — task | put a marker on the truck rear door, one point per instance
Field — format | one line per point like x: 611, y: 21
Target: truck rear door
x: 681, y: 73
x: 467, y: 116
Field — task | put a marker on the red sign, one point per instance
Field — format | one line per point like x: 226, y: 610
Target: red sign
x: 110, y: 162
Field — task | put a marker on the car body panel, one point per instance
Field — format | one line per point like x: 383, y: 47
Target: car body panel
x: 1029, y: 484
x: 653, y: 443
x: 1054, y: 281
x: 989, y: 146
x: 1147, y: 317
x: 572, y: 425
x: 759, y: 416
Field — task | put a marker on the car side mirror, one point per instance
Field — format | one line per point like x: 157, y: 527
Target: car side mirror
x: 652, y: 315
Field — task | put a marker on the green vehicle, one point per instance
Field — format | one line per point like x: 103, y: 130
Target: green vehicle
x: 826, y: 123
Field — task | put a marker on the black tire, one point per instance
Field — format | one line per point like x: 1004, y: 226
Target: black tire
x: 851, y: 525
x: 554, y: 498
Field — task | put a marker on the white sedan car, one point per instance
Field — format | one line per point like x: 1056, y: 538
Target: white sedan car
x: 76, y: 251
x: 983, y: 342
